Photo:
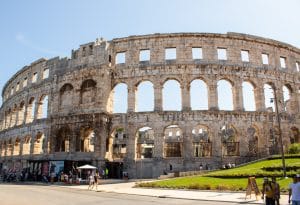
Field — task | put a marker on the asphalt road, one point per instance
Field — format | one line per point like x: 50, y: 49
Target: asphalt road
x: 11, y: 194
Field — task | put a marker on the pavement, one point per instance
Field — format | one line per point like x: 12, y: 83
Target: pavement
x: 127, y: 187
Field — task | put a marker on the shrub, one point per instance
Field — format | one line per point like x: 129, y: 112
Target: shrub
x: 294, y: 148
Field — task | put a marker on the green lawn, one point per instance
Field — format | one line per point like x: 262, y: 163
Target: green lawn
x: 230, y: 180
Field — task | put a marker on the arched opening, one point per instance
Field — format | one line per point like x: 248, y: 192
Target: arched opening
x: 248, y: 96
x: 10, y: 145
x: 66, y: 95
x: 269, y: 97
x: 21, y: 113
x: 118, y: 143
x: 30, y: 110
x: 38, y: 143
x: 230, y: 144
x: 202, y: 146
x: 252, y: 141
x: 13, y: 119
x: 63, y: 140
x: 145, y: 97
x: 86, y: 142
x: 7, y: 118
x: 225, y: 97
x: 172, y: 96
x: 274, y: 140
x: 295, y: 135
x: 119, y: 96
x: 43, y: 107
x: 26, y: 145
x: 17, y: 147
x: 286, y: 97
x: 199, y: 96
x: 173, y: 141
x: 144, y: 143
x: 88, y: 91
x: 3, y: 149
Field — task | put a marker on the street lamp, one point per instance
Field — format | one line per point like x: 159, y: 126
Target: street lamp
x: 279, y: 130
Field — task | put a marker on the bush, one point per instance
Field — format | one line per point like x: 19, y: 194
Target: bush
x: 294, y: 148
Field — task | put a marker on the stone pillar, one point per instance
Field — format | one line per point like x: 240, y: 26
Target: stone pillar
x: 187, y: 144
x: 294, y: 104
x: 213, y: 96
x: 158, y: 101
x: 159, y: 144
x: 97, y: 141
x: 131, y: 98
x: 279, y: 96
x: 237, y: 92
x: 185, y: 97
x: 259, y: 98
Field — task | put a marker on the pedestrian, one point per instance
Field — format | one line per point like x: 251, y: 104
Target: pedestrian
x: 276, y: 190
x: 294, y: 190
x: 96, y: 180
x: 91, y: 182
x: 268, y: 192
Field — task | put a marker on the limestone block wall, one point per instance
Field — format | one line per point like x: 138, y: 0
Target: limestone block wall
x: 62, y: 109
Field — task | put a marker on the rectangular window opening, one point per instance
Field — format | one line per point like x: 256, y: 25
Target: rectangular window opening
x: 170, y: 54
x: 120, y: 58
x: 197, y: 53
x: 34, y: 78
x: 145, y: 55
x: 46, y: 73
x: 18, y: 86
x: 12, y: 91
x: 282, y: 62
x: 222, y: 54
x: 298, y: 66
x: 265, y: 59
x: 25, y: 82
x: 245, y: 55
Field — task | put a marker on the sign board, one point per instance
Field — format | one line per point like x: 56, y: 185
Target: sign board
x: 252, y: 186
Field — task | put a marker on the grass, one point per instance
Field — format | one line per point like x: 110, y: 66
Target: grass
x: 231, y: 179
x: 255, y: 169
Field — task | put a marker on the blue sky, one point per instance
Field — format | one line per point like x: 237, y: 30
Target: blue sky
x: 33, y: 29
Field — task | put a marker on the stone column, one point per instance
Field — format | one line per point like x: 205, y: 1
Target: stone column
x: 158, y: 101
x: 213, y: 96
x: 187, y: 144
x: 159, y: 144
x: 259, y: 98
x: 237, y: 92
x: 97, y: 141
x: 294, y: 104
x: 279, y: 96
x: 131, y: 98
x: 185, y: 97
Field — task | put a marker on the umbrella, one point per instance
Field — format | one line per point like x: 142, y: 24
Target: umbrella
x: 87, y: 166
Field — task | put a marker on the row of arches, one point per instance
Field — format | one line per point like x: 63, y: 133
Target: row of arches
x: 26, y: 112
x: 23, y: 146
x: 146, y: 141
x: 199, y: 92
x: 87, y: 93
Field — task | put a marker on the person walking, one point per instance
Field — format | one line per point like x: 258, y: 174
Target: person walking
x: 276, y: 190
x: 91, y: 182
x: 96, y: 180
x: 294, y: 190
x: 268, y: 192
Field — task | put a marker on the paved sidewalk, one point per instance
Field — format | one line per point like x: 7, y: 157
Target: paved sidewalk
x: 127, y: 188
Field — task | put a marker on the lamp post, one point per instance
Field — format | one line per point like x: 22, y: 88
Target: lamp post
x: 280, y: 134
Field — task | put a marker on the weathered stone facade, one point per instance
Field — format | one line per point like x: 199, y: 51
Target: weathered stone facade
x: 80, y: 124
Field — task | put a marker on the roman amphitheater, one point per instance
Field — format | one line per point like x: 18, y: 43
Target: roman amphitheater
x: 151, y: 104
